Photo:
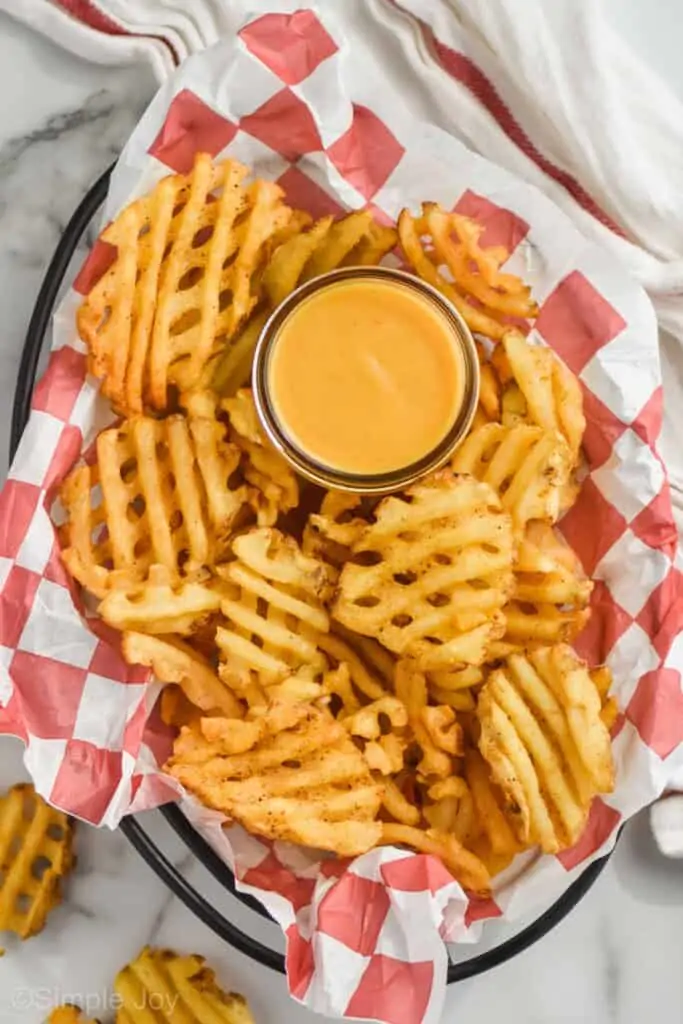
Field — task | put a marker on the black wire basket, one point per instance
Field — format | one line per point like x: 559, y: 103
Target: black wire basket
x: 132, y: 827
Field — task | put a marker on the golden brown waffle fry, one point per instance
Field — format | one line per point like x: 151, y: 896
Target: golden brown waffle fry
x: 231, y: 370
x: 368, y: 667
x: 175, y: 709
x: 180, y: 286
x: 396, y: 804
x: 489, y: 805
x: 454, y: 687
x: 167, y: 988
x: 35, y: 855
x: 429, y: 578
x: 275, y: 486
x: 68, y: 1014
x: 353, y: 240
x: 450, y: 808
x: 550, y: 600
x: 546, y: 392
x: 161, y: 604
x: 160, y: 493
x: 483, y: 296
x: 548, y: 749
x: 272, y: 622
x: 527, y: 467
x: 435, y: 729
x: 465, y: 866
x: 173, y: 661
x: 337, y: 244
x: 290, y: 772
x: 330, y: 534
x: 382, y: 725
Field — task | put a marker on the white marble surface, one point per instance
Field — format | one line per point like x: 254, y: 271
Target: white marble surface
x: 615, y: 959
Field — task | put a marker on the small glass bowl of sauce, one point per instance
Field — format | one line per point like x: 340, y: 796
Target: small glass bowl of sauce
x: 366, y: 379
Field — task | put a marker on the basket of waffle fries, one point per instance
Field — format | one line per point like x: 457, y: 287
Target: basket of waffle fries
x: 445, y: 699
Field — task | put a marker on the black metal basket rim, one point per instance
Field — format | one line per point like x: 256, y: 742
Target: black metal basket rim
x: 155, y: 858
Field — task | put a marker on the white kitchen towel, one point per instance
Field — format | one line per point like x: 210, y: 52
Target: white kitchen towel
x: 548, y: 91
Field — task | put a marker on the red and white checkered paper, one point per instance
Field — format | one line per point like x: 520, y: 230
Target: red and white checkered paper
x: 288, y: 96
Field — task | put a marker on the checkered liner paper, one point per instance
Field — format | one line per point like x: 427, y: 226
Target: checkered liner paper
x: 364, y: 939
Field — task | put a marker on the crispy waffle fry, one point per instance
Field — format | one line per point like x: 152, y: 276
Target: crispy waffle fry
x: 337, y: 244
x: 484, y: 296
x: 550, y: 600
x: 163, y: 986
x: 546, y: 392
x: 385, y: 747
x: 548, y: 749
x: 465, y: 866
x: 330, y: 534
x: 172, y: 661
x: 283, y: 273
x: 429, y: 578
x: 300, y: 778
x: 275, y: 486
x: 35, y: 855
x: 453, y: 686
x: 369, y: 668
x: 161, y: 604
x: 180, y: 286
x: 397, y: 805
x: 450, y: 808
x: 435, y: 729
x: 159, y: 493
x: 271, y: 624
x: 68, y: 1014
x: 527, y: 467
x: 489, y: 805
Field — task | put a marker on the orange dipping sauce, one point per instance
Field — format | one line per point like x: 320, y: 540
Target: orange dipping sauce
x: 366, y: 376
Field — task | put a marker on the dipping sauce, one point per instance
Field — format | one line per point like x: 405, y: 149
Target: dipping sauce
x: 366, y: 376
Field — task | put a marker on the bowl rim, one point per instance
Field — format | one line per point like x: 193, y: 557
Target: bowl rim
x: 376, y: 483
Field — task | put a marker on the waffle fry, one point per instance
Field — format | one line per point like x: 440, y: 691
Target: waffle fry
x: 173, y: 661
x: 68, y: 1014
x: 483, y: 296
x: 35, y: 855
x: 180, y: 286
x: 397, y: 806
x: 353, y: 240
x: 435, y: 729
x: 551, y: 595
x: 429, y: 578
x: 548, y: 749
x: 453, y: 688
x: 330, y: 534
x: 368, y: 669
x: 299, y: 777
x: 489, y: 806
x: 527, y: 467
x: 450, y: 808
x: 465, y: 866
x: 271, y: 624
x: 159, y: 494
x: 275, y: 488
x: 385, y: 747
x: 168, y: 988
x: 542, y: 391
x: 160, y: 604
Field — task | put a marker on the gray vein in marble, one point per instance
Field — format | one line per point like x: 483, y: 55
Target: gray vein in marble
x: 97, y: 107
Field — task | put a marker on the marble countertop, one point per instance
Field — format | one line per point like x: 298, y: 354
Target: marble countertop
x: 616, y: 958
